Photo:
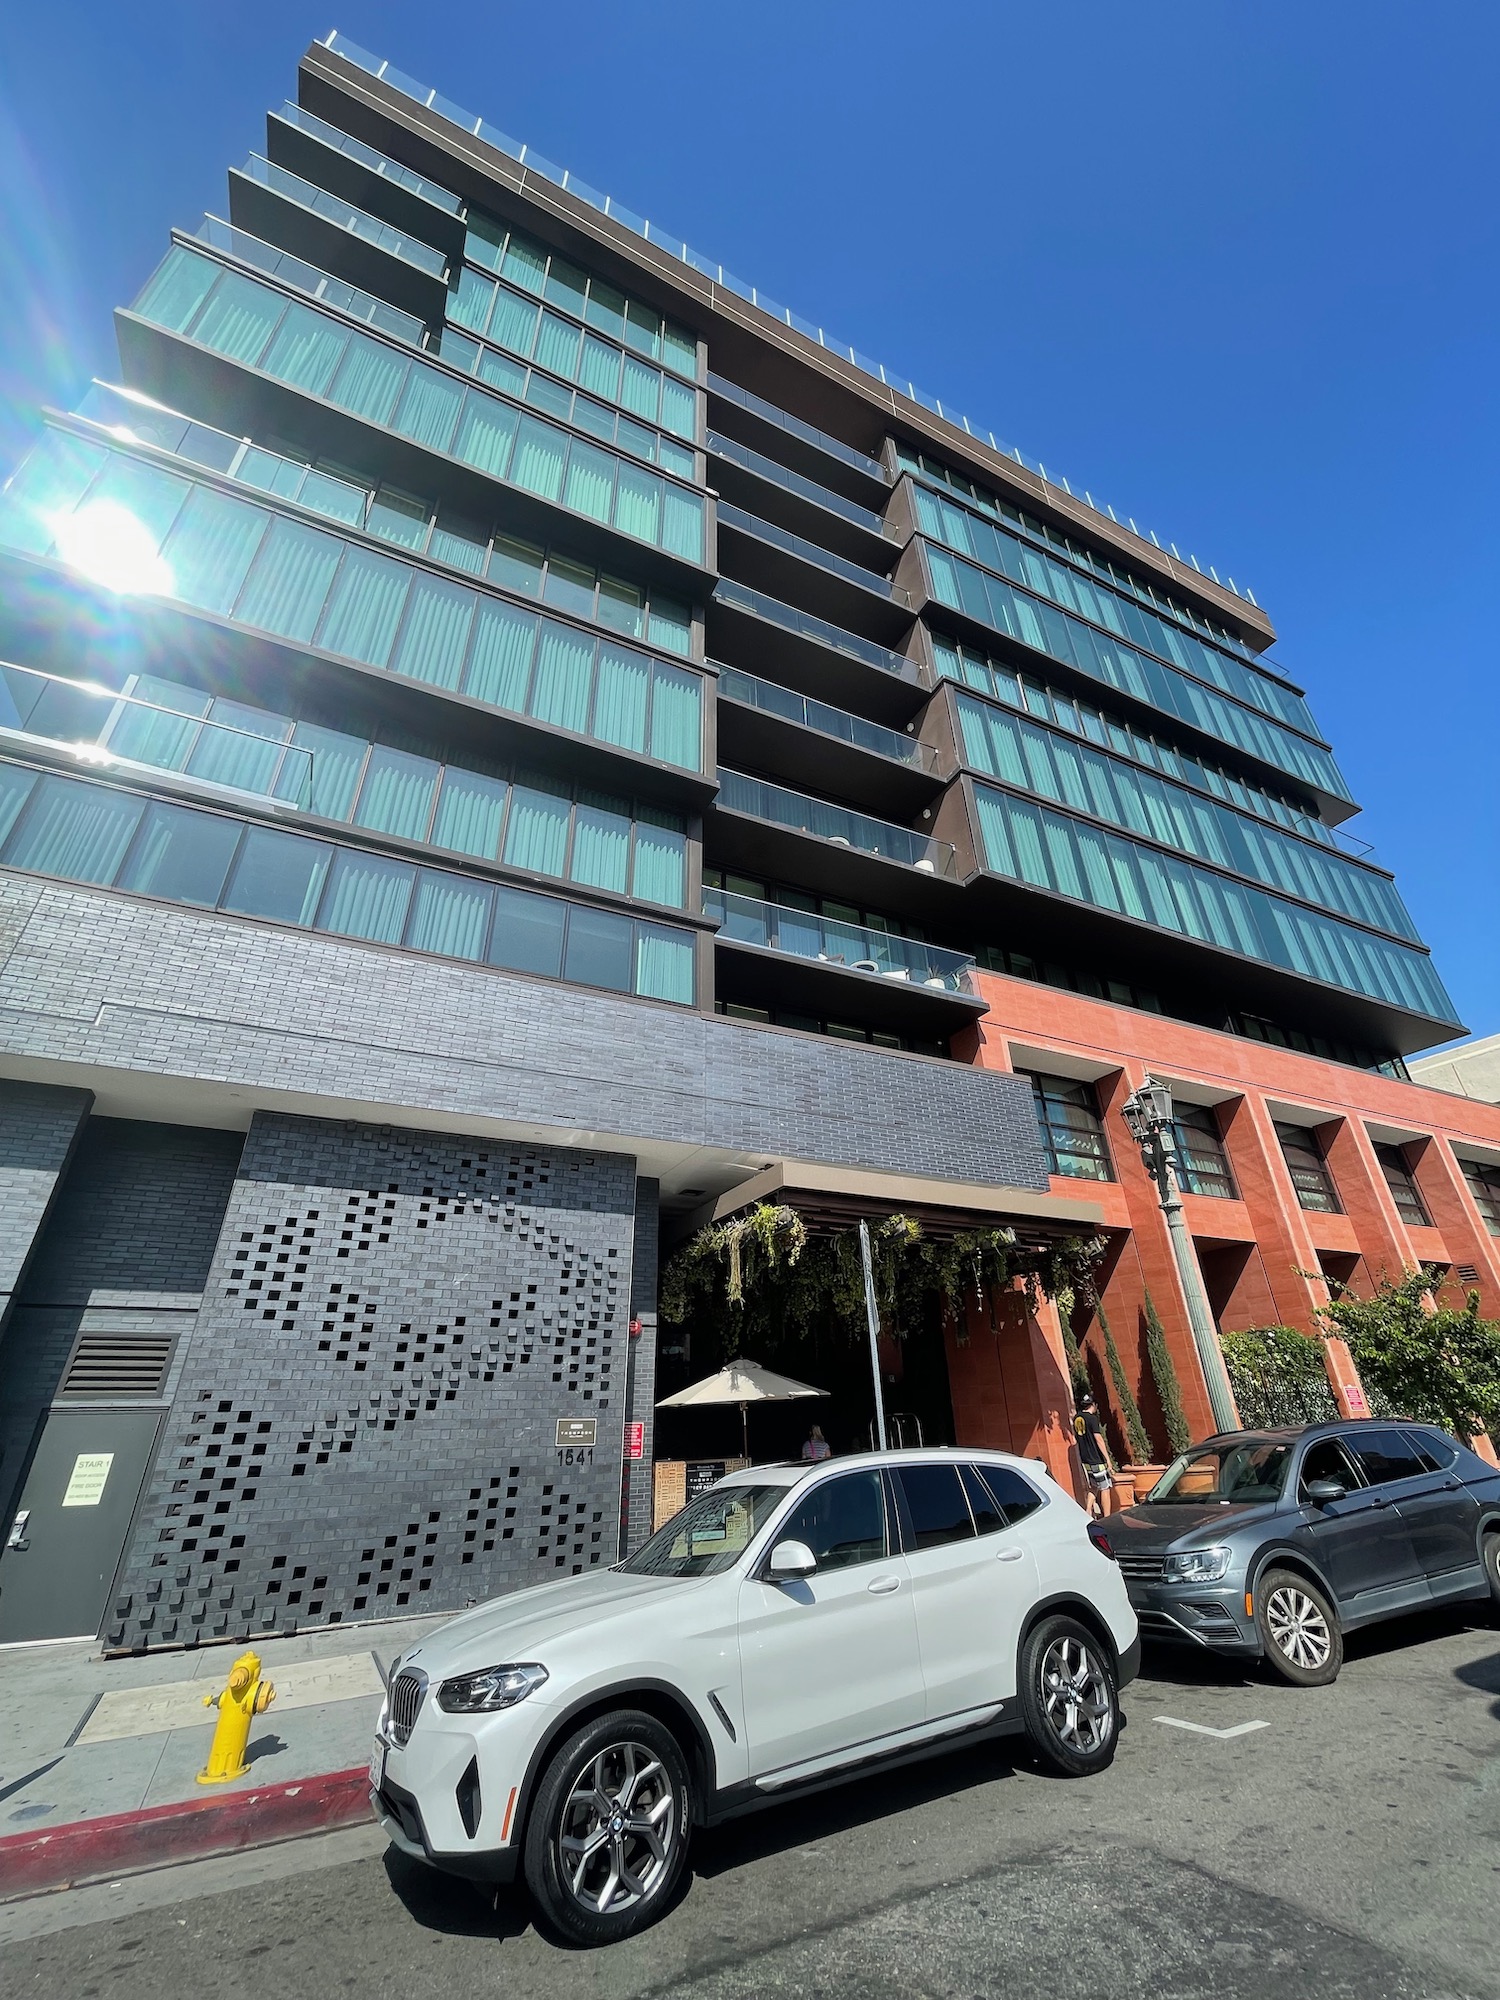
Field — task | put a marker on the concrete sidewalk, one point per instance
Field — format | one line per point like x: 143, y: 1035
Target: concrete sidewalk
x: 85, y: 1739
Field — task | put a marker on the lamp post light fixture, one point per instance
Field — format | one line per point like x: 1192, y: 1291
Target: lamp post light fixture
x: 1148, y: 1114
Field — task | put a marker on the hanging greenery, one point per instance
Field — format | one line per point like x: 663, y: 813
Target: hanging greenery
x: 782, y: 1281
x: 1164, y: 1375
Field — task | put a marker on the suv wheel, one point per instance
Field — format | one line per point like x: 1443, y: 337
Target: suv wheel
x: 1490, y: 1556
x: 1068, y: 1698
x: 1299, y: 1629
x: 608, y: 1834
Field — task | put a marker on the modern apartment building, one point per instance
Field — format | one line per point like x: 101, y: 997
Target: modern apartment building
x: 512, y: 744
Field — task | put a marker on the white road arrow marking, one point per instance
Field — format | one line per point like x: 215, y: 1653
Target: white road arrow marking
x: 1202, y: 1728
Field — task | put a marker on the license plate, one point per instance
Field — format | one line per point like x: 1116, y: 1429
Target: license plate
x: 377, y: 1766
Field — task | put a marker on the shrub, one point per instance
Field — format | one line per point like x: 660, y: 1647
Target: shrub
x: 1440, y: 1367
x: 1164, y: 1375
x: 1137, y: 1442
x: 1278, y: 1377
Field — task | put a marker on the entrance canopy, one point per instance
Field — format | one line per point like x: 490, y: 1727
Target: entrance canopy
x: 834, y: 1199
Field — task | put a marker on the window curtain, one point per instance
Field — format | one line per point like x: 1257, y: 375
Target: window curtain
x: 676, y: 717
x: 182, y: 855
x: 397, y: 793
x: 671, y: 625
x: 367, y: 897
x: 663, y: 964
x: 600, y: 367
x: 591, y: 481
x: 536, y: 833
x: 152, y: 738
x: 429, y: 408
x: 16, y: 788
x: 436, y: 633
x: 500, y: 656
x: 620, y: 703
x: 486, y: 432
x: 77, y: 831
x: 564, y: 677
x: 211, y: 547
x: 539, y: 458
x: 321, y: 770
x: 369, y: 379
x: 470, y: 809
x: 679, y: 409
x: 682, y: 524
x: 239, y: 746
x: 289, y: 580
x: 306, y: 349
x: 525, y: 264
x: 640, y: 389
x: 638, y: 503
x: 239, y: 317
x: 364, y: 606
x: 462, y: 547
x: 279, y: 876
x: 601, y: 846
x: 470, y: 304
x: 176, y: 289
x: 557, y: 345
x: 513, y: 323
x: 450, y: 915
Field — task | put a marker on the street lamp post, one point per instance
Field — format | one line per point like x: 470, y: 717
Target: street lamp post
x: 1148, y: 1113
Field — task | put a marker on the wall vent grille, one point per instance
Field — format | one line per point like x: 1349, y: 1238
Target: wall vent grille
x: 117, y: 1364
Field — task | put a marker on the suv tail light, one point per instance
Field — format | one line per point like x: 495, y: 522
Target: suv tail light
x: 1101, y: 1541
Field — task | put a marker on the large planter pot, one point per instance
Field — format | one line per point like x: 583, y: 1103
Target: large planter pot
x: 1140, y: 1479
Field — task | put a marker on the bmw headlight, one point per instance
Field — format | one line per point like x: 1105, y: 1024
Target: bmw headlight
x: 489, y: 1689
x: 1196, y: 1566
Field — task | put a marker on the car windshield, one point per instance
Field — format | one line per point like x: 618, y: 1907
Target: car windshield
x: 709, y: 1535
x: 1230, y: 1474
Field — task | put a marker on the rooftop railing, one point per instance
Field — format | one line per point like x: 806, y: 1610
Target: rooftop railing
x: 835, y: 824
x: 108, y: 731
x: 344, y: 215
x: 356, y: 149
x: 534, y: 162
x: 305, y: 277
x: 772, y: 699
x: 825, y: 941
x: 820, y: 630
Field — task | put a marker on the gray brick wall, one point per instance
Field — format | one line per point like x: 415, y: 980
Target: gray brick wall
x: 119, y: 984
x: 635, y: 1504
x: 364, y: 1421
x: 39, y: 1126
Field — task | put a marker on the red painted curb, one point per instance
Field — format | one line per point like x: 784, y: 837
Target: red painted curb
x: 122, y: 1842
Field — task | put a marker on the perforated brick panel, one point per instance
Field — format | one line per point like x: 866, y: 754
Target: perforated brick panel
x: 364, y: 1423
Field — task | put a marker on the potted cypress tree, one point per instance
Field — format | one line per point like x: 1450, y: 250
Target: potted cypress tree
x: 1137, y: 1478
x: 1168, y: 1394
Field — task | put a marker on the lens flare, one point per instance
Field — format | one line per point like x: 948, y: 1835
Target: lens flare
x: 110, y: 546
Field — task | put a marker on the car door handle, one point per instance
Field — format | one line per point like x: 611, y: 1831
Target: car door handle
x: 1009, y: 1555
x: 1378, y: 1502
x: 882, y: 1586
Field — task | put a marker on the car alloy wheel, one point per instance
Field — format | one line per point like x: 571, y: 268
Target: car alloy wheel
x: 617, y: 1829
x: 1298, y: 1628
x: 1076, y: 1697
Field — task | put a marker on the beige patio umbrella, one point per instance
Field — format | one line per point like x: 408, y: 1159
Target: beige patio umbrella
x: 742, y: 1382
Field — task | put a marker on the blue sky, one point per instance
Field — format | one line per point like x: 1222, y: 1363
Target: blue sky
x: 1235, y: 270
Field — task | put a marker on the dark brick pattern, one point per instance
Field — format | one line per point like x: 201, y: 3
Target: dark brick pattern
x: 364, y: 1420
x: 103, y: 979
x: 38, y: 1128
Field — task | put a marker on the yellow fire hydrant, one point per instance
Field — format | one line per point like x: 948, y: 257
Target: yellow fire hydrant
x: 246, y: 1695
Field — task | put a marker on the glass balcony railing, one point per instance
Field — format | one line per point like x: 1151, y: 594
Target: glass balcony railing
x: 835, y: 824
x: 795, y: 482
x: 305, y: 277
x: 820, y: 630
x: 794, y: 427
x: 773, y: 699
x: 123, y: 733
x: 824, y: 940
x: 356, y: 149
x: 344, y: 215
x: 811, y: 552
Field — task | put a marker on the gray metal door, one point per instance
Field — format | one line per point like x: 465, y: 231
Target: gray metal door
x: 64, y: 1542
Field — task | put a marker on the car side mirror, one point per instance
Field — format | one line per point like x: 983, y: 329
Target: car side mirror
x: 790, y: 1560
x: 1322, y: 1491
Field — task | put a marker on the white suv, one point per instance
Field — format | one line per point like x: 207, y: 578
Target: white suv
x: 793, y: 1626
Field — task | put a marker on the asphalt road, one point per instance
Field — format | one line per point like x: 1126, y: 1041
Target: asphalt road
x: 1349, y: 1848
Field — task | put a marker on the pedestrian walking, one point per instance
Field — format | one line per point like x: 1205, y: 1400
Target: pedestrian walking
x: 1093, y: 1454
x: 817, y: 1446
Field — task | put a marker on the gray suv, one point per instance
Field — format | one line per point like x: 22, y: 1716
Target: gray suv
x: 1272, y: 1544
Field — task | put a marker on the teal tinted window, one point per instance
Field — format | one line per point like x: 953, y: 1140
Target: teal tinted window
x: 623, y: 693
x: 211, y: 547
x: 50, y: 481
x: 528, y: 933
x: 676, y: 717
x: 664, y: 964
x: 599, y: 949
x: 564, y: 675
x: 366, y: 897
x: 435, y: 632
x: 278, y: 875
x: 176, y: 289
x: 536, y: 833
x: 306, y: 349
x: 80, y: 832
x: 499, y: 667
x: 470, y: 809
x: 397, y: 793
x: 449, y: 915
x: 181, y: 855
x: 660, y: 873
x: 289, y: 580
x: 322, y: 780
x: 364, y: 607
x: 370, y: 379
x: 239, y: 317
x: 601, y: 844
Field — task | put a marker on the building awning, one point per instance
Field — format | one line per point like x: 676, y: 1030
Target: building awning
x: 833, y: 1199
